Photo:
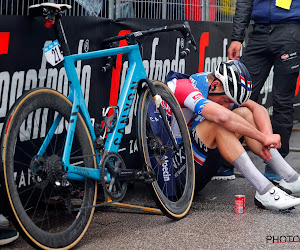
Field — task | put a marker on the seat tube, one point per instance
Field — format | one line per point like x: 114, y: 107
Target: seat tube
x: 61, y: 36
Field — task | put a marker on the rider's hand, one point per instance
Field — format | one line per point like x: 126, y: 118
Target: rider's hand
x: 234, y: 50
x: 265, y: 154
x: 270, y: 141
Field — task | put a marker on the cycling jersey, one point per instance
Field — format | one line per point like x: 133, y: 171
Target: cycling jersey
x: 191, y: 93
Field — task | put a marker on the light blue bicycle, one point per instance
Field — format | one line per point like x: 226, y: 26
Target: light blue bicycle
x: 49, y: 139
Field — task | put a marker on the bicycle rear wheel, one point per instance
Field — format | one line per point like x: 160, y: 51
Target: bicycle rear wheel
x: 49, y: 210
x: 173, y: 188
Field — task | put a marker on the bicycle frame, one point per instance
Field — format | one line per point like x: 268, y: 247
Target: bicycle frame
x: 135, y: 73
x: 52, y: 211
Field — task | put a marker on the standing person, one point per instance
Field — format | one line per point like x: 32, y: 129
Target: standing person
x: 218, y: 110
x: 274, y: 41
x: 7, y: 235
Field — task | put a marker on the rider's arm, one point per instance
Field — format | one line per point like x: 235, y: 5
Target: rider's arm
x: 235, y: 123
x: 261, y: 117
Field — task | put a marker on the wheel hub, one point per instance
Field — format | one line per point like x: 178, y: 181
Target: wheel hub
x: 157, y: 148
x: 46, y: 169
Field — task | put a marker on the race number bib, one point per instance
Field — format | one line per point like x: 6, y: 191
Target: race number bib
x: 53, y: 54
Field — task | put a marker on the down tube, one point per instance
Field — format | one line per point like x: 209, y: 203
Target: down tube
x: 135, y: 73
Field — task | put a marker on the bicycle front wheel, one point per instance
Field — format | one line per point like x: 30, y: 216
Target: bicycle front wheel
x: 50, y: 210
x: 173, y: 187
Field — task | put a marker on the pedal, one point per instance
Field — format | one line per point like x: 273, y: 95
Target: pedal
x: 149, y: 176
x: 149, y: 180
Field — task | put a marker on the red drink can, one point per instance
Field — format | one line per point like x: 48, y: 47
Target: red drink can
x: 239, y: 206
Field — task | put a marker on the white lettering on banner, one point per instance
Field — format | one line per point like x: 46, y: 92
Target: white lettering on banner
x: 210, y: 63
x: 267, y: 88
x: 133, y: 146
x: 156, y: 69
x: 12, y: 87
x: 24, y: 179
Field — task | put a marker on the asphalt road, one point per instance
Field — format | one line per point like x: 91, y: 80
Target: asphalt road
x: 210, y: 224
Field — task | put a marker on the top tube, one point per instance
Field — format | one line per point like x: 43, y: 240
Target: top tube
x: 101, y: 53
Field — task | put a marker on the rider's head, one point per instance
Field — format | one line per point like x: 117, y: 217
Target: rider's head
x: 236, y: 81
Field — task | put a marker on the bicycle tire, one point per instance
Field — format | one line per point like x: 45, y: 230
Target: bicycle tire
x: 174, y: 199
x: 49, y: 211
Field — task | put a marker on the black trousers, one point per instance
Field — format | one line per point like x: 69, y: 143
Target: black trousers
x: 275, y: 45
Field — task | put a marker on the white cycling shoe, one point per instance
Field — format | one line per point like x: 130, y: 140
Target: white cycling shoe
x: 276, y: 199
x: 290, y: 188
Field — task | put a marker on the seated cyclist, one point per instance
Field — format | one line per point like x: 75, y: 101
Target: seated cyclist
x: 219, y: 112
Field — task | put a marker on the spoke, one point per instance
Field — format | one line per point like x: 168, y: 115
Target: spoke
x: 46, y: 210
x: 76, y: 151
x: 25, y: 153
x: 29, y: 140
x: 29, y: 198
x: 28, y: 189
x: 21, y: 163
x: 38, y: 202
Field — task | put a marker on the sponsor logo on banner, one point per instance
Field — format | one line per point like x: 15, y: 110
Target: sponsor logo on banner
x: 13, y: 84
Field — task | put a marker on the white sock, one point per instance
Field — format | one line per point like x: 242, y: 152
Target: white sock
x: 244, y: 164
x: 281, y: 167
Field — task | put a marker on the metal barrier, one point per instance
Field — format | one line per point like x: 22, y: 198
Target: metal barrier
x: 196, y: 10
x: 79, y: 7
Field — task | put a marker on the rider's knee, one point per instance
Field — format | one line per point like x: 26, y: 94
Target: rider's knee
x: 244, y: 112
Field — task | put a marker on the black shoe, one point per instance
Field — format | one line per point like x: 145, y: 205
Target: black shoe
x: 224, y: 174
x: 8, y: 235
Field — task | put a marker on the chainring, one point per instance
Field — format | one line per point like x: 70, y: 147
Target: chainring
x: 115, y: 189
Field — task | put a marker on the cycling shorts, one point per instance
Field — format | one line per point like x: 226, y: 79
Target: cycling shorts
x: 207, y: 161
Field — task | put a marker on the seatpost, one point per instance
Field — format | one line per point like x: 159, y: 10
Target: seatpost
x: 61, y: 36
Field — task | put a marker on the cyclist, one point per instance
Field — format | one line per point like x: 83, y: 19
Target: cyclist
x: 219, y: 112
